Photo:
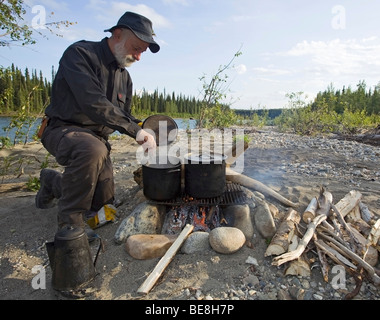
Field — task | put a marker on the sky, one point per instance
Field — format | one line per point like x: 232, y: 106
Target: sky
x: 286, y: 45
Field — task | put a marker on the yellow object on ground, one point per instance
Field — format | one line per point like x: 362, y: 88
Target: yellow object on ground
x: 103, y: 216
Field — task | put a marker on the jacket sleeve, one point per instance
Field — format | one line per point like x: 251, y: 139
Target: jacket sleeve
x: 81, y: 74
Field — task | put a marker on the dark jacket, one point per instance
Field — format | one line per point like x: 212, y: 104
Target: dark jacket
x: 84, y: 92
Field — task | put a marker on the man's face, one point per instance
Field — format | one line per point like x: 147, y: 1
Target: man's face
x: 129, y: 48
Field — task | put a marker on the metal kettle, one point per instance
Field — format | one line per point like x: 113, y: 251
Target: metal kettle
x: 70, y: 259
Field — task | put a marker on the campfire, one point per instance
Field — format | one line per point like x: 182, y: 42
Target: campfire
x: 205, y: 214
x: 202, y: 218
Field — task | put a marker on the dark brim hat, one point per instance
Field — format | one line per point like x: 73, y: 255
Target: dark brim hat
x: 140, y: 26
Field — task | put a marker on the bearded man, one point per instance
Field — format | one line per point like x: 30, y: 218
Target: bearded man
x: 91, y: 98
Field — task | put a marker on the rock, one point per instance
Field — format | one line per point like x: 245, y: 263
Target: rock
x: 264, y: 221
x: 196, y: 242
x: 251, y: 281
x: 283, y: 295
x: 148, y: 246
x: 138, y: 177
x: 251, y: 260
x: 144, y: 219
x: 239, y: 217
x: 226, y: 239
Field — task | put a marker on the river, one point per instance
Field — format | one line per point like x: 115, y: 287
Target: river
x: 5, y: 121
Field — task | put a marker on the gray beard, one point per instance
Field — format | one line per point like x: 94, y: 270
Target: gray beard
x: 122, y: 59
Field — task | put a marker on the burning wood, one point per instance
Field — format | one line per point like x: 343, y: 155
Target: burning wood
x: 204, y: 218
x: 336, y: 233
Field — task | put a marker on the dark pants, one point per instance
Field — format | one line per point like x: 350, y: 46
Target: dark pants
x: 87, y: 181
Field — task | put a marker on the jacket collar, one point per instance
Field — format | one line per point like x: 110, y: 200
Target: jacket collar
x: 109, y: 58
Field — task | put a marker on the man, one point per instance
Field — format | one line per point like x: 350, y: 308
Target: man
x: 91, y: 98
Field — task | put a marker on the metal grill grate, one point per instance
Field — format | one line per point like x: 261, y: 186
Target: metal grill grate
x: 232, y: 195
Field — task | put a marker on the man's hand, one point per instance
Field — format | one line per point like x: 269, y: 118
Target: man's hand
x: 147, y: 141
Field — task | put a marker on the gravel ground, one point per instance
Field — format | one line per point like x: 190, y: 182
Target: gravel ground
x: 294, y: 166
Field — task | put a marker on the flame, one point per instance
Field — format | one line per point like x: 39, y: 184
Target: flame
x: 199, y: 220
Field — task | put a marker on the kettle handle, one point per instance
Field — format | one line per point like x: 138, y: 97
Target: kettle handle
x: 101, y: 246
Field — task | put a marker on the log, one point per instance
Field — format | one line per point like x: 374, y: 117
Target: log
x: 12, y: 187
x: 277, y: 261
x: 334, y: 254
x: 284, y: 234
x: 322, y: 259
x: 353, y: 239
x: 354, y: 214
x: 366, y: 215
x: 298, y: 267
x: 349, y: 202
x: 369, y: 253
x: 370, y: 270
x: 363, y: 227
x: 256, y: 185
x: 374, y: 235
x: 164, y: 261
x: 324, y: 202
x: 309, y: 213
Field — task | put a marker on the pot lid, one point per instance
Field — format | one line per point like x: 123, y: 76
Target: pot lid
x: 205, y: 158
x: 165, y: 128
x: 164, y: 162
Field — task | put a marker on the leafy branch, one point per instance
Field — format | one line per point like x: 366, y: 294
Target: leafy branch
x: 14, y: 29
x: 214, y: 91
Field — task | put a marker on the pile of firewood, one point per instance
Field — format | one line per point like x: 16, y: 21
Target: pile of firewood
x: 345, y: 234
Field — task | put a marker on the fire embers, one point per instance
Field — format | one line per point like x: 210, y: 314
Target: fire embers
x: 203, y: 218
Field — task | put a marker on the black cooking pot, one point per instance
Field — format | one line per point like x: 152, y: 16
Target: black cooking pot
x: 162, y: 180
x: 205, y: 176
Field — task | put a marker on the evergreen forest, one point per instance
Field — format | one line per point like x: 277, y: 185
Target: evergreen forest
x: 27, y: 92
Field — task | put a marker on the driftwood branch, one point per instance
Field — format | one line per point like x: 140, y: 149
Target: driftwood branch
x: 323, y: 208
x: 371, y: 271
x: 284, y: 234
x: 277, y: 261
x: 164, y: 261
x: 299, y: 266
x: 349, y: 202
x: 351, y: 238
x: 248, y: 182
x: 322, y: 259
x: 309, y: 213
x: 334, y: 254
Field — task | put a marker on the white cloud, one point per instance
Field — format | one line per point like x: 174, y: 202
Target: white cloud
x: 51, y: 5
x: 271, y: 71
x: 116, y: 9
x: 173, y: 2
x: 340, y: 57
x: 241, y: 69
